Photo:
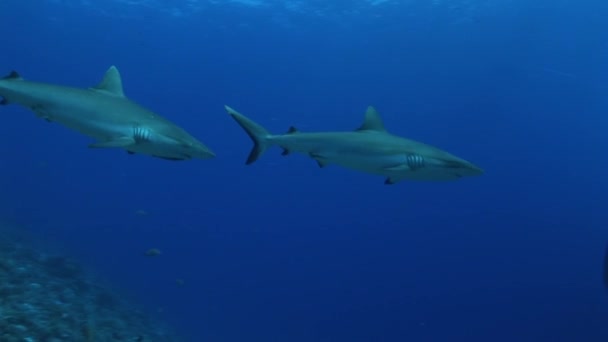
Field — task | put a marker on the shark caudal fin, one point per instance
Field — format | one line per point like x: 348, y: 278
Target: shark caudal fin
x: 258, y: 134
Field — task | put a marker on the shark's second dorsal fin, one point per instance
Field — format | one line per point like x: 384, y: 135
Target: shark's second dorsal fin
x: 13, y: 75
x: 372, y: 121
x: 111, y: 83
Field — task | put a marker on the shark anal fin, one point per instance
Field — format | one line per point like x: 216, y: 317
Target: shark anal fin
x: 285, y: 152
x: 13, y: 75
x: 130, y: 152
x: 119, y: 142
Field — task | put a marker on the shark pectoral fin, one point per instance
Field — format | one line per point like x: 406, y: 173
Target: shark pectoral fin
x: 119, y: 142
x: 400, y: 168
x: 4, y: 102
x: 321, y: 161
x: 285, y: 152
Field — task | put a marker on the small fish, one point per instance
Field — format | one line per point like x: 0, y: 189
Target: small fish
x: 141, y: 212
x: 152, y: 252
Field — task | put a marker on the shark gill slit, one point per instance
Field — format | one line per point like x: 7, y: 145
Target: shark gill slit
x: 414, y: 161
x: 141, y: 134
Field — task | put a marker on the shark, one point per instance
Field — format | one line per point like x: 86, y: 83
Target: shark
x: 370, y: 148
x: 104, y: 113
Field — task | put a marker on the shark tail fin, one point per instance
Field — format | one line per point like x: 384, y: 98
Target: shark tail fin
x: 258, y: 134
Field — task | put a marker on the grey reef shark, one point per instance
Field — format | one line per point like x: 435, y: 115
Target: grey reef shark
x: 370, y: 149
x: 104, y: 113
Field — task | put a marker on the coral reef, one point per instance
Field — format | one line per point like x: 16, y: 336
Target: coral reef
x: 51, y: 298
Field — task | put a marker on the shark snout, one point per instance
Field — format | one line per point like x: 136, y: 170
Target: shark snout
x: 200, y: 151
x: 466, y: 169
x: 458, y: 167
x: 472, y: 170
x: 206, y: 155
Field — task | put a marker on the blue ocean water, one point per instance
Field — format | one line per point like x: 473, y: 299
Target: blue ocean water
x: 284, y: 251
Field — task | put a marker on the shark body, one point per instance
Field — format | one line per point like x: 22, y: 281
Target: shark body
x: 105, y: 114
x: 369, y: 149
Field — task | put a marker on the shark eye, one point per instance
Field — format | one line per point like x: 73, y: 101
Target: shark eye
x: 414, y: 161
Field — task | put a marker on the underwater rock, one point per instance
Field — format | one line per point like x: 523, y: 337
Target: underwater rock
x: 46, y: 298
x: 105, y: 300
x: 61, y: 267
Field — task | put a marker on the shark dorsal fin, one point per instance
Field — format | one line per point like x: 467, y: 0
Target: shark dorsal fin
x: 292, y: 130
x: 372, y: 121
x: 111, y: 83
